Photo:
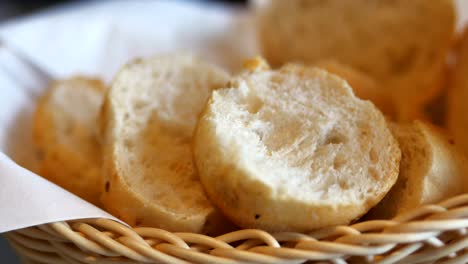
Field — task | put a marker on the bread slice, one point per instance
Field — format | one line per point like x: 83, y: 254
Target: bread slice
x: 401, y: 44
x: 457, y: 107
x: 64, y: 131
x: 293, y: 150
x: 363, y: 85
x: 148, y: 119
x: 431, y: 169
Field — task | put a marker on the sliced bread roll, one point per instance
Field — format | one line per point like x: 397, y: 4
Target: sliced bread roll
x: 431, y: 169
x: 363, y: 85
x: 457, y: 106
x: 401, y: 44
x: 64, y: 132
x: 148, y: 118
x: 293, y: 150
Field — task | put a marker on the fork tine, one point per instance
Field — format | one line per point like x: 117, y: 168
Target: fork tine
x: 37, y: 76
x: 27, y: 62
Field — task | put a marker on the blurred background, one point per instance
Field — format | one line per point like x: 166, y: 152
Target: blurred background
x: 14, y: 8
x: 9, y: 10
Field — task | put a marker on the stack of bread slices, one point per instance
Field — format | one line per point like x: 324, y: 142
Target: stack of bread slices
x: 177, y: 143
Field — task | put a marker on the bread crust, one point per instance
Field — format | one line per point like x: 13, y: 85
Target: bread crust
x: 398, y: 43
x: 125, y: 203
x: 364, y: 86
x: 123, y: 196
x: 431, y: 169
x: 251, y: 203
x: 63, y: 132
x: 457, y: 117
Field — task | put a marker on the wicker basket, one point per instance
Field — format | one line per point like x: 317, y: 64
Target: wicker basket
x: 430, y: 234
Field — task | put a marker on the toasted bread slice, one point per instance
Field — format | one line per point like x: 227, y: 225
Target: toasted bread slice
x: 431, y: 169
x: 293, y: 150
x: 148, y: 118
x: 401, y: 44
x: 65, y: 126
x: 457, y: 106
x: 363, y: 85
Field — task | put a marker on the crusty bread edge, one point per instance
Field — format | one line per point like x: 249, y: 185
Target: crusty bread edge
x: 210, y: 223
x: 113, y: 201
x: 241, y: 219
x: 44, y: 143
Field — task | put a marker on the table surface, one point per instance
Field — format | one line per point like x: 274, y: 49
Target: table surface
x: 6, y: 253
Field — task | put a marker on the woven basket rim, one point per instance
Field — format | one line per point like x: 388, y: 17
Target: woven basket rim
x: 426, y: 234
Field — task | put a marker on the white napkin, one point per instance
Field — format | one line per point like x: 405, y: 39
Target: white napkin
x: 31, y: 200
x: 96, y: 39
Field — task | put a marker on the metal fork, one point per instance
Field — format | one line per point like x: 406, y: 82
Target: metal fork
x: 22, y: 70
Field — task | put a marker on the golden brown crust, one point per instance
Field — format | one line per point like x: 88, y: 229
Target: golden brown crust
x: 244, y: 199
x: 457, y: 118
x: 125, y: 195
x: 69, y: 149
x: 363, y: 86
x: 123, y: 202
x: 431, y: 170
x: 409, y: 70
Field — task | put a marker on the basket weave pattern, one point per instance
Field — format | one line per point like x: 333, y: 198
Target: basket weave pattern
x: 430, y: 234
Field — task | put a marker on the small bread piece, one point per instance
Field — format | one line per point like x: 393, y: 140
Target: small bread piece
x: 431, y: 169
x: 401, y: 44
x: 363, y: 85
x: 64, y: 132
x: 457, y: 106
x: 148, y: 117
x: 293, y: 150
